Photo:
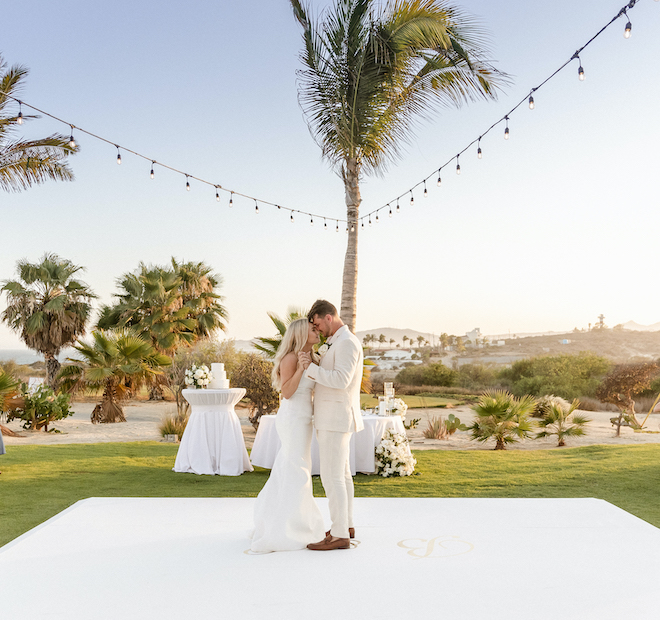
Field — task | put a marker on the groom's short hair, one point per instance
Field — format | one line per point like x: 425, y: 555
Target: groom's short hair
x: 320, y: 308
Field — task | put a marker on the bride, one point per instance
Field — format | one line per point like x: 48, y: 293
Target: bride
x: 286, y: 516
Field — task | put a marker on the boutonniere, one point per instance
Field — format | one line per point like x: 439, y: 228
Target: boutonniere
x: 323, y: 349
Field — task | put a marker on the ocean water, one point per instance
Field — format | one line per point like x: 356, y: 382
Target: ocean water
x: 26, y: 356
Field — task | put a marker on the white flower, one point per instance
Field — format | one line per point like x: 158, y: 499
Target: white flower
x: 323, y: 349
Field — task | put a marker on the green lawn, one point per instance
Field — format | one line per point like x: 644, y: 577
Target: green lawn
x: 37, y: 482
x: 369, y: 400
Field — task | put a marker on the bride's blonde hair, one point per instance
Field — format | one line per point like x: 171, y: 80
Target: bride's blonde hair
x: 294, y: 339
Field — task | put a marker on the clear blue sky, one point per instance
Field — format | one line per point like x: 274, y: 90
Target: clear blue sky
x: 547, y: 231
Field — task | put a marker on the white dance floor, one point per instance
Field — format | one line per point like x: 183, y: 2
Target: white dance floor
x: 464, y: 559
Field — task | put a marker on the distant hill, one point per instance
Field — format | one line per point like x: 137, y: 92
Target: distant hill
x: 632, y: 326
x: 397, y: 335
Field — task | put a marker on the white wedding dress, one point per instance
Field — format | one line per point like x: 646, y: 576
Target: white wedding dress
x: 286, y: 516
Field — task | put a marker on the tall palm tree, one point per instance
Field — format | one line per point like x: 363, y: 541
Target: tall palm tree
x: 24, y: 163
x: 370, y: 72
x: 171, y: 307
x: 113, y: 357
x: 48, y: 307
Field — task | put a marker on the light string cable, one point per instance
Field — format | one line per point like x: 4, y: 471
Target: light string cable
x: 367, y: 216
x: 154, y: 162
x: 529, y: 98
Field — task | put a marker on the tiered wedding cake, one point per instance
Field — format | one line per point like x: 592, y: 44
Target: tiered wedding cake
x: 219, y: 381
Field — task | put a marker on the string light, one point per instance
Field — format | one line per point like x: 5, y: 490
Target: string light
x: 217, y: 194
x: 627, y: 31
x: 390, y: 209
x: 352, y: 226
x: 325, y: 224
x: 530, y: 99
x: 311, y: 221
x: 377, y: 220
x: 291, y: 218
x: 398, y: 208
x: 256, y: 207
x: 337, y: 227
x: 412, y: 199
x: 231, y: 200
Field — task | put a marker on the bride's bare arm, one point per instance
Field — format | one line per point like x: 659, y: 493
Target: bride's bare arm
x: 290, y: 372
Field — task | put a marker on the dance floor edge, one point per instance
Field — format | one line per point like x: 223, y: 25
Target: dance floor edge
x: 181, y: 558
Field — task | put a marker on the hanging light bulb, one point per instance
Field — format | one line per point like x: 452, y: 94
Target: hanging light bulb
x: 151, y: 174
x: 19, y: 118
x: 426, y: 194
x: 439, y: 179
x: 458, y: 166
x: 581, y: 73
x: 412, y: 199
x: 362, y: 223
x: 217, y: 194
x: 311, y: 221
x: 353, y: 227
x: 231, y: 200
x: 377, y: 217
x: 325, y: 224
x: 506, y: 129
x: 72, y: 142
x: 479, y: 148
x: 398, y: 208
x: 531, y: 102
x: 256, y: 207
x: 390, y: 210
x: 337, y: 227
x: 118, y: 156
x: 291, y: 218
x: 187, y: 184
x: 370, y: 220
x: 626, y: 32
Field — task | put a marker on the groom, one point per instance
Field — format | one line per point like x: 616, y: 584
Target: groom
x: 336, y: 416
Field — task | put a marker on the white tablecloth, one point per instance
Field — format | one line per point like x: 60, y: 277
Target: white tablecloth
x: 267, y: 443
x: 213, y: 441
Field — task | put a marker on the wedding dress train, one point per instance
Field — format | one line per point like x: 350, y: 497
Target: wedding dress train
x: 286, y: 516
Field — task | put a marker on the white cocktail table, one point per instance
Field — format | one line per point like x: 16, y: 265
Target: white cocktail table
x: 267, y: 443
x: 213, y: 441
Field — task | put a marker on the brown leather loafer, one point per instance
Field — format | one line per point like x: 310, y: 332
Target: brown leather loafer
x: 328, y: 544
x: 351, y: 532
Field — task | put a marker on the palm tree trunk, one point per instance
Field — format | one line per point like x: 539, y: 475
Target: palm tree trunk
x: 52, y: 368
x: 351, y: 175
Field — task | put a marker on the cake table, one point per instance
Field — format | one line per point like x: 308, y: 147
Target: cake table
x: 213, y: 441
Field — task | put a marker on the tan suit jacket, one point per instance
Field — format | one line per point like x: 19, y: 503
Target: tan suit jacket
x: 338, y: 379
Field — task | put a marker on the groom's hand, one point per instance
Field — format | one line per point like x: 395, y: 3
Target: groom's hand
x: 304, y: 359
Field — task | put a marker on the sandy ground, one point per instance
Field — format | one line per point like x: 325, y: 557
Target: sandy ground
x: 143, y: 419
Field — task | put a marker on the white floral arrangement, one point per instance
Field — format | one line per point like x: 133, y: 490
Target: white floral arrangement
x: 393, y: 455
x: 323, y: 349
x: 398, y: 407
x: 198, y: 376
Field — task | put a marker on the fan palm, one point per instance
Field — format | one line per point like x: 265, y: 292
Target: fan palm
x: 562, y: 422
x: 503, y: 417
x: 113, y: 357
x: 370, y: 72
x: 8, y: 389
x: 269, y: 345
x: 24, y: 163
x: 48, y: 307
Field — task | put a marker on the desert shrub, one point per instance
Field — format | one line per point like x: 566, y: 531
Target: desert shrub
x: 435, y: 428
x: 544, y: 405
x: 174, y: 424
x: 588, y: 403
x: 429, y: 374
x: 477, y: 376
x: 40, y: 407
x: 253, y: 373
x: 568, y: 376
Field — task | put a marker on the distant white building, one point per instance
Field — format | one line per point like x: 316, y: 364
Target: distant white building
x: 393, y: 359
